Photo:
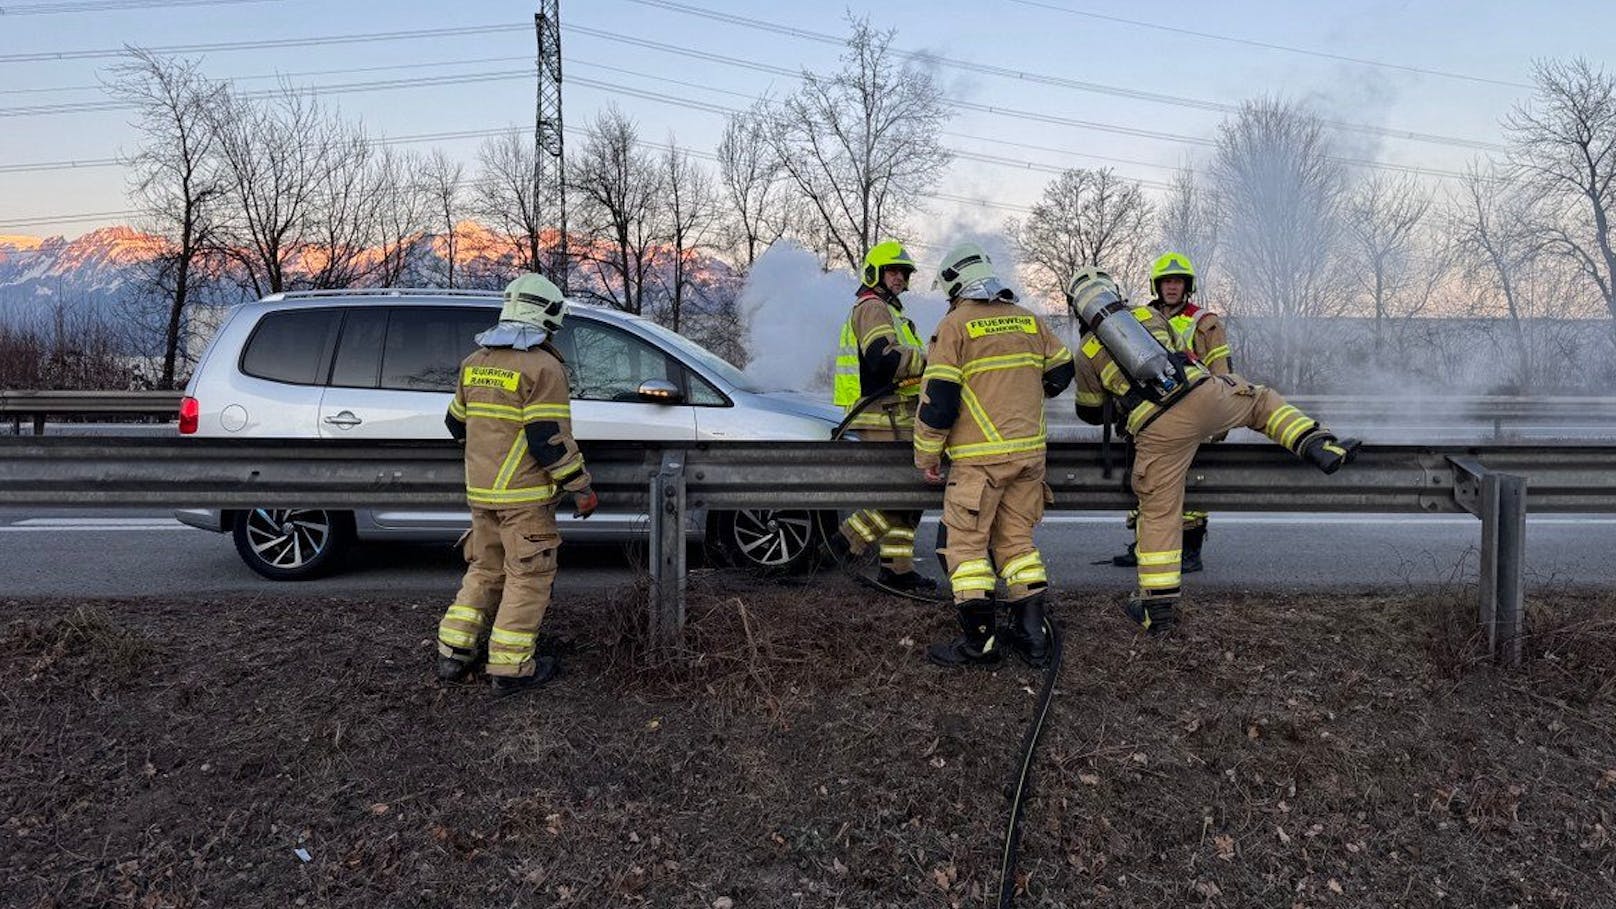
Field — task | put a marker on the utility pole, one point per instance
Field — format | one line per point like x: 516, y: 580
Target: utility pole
x: 549, y: 163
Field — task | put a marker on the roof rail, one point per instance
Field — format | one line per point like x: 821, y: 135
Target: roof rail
x: 383, y: 292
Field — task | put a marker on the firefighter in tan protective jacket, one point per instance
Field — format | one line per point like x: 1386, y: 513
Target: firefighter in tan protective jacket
x: 1201, y: 332
x: 988, y: 370
x: 878, y: 365
x: 1171, y: 404
x: 512, y: 410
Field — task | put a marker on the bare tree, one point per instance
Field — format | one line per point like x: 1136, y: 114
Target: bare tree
x: 861, y: 145
x: 503, y: 197
x: 1086, y: 217
x: 443, y: 179
x: 403, y: 213
x: 617, y: 186
x: 1383, y: 219
x: 1565, y: 145
x: 1282, y: 198
x: 1188, y: 222
x: 345, y: 211
x: 688, y: 214
x: 175, y: 182
x: 754, y: 186
x: 275, y: 155
x: 1493, y: 224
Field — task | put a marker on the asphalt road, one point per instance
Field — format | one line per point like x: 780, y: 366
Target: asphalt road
x: 82, y: 553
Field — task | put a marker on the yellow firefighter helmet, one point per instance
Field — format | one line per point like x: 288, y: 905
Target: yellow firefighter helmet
x: 1170, y: 265
x: 884, y: 254
x: 533, y: 300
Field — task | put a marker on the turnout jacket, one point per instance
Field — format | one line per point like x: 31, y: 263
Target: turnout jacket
x: 512, y: 409
x: 988, y: 370
x: 1201, y: 332
x: 878, y: 346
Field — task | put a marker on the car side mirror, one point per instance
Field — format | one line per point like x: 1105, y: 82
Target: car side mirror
x: 660, y: 391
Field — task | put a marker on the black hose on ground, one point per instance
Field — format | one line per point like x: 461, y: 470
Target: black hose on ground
x: 1021, y: 784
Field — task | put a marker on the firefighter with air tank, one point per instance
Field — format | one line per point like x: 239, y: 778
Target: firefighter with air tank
x: 1201, y: 332
x: 1170, y: 403
x: 989, y: 367
x: 879, y: 361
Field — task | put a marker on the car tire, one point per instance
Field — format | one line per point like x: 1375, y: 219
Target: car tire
x: 292, y: 544
x: 770, y: 541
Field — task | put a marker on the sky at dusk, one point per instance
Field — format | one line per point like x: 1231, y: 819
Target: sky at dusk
x: 1449, y: 70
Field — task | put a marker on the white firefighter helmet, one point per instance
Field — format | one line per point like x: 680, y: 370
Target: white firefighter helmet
x: 967, y: 274
x: 533, y: 300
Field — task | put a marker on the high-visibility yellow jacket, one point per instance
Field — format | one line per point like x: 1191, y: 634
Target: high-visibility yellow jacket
x: 513, y: 409
x: 1098, y: 375
x: 1201, y: 331
x: 878, y: 346
x: 988, y: 370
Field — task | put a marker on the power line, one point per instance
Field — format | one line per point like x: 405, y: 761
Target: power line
x: 106, y: 6
x: 312, y: 41
x: 1018, y: 75
x: 1271, y: 46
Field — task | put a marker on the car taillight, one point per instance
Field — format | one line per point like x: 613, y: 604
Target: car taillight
x: 190, y: 412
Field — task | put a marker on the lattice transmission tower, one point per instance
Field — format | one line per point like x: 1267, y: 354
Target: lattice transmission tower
x: 549, y: 162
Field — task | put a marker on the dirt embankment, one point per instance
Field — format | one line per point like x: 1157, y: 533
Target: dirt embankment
x: 1277, y: 751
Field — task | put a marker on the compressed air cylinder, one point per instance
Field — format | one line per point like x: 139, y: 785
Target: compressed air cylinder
x: 1095, y: 300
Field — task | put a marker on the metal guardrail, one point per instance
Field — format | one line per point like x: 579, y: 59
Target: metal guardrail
x: 38, y: 406
x: 1496, y: 411
x: 1497, y: 483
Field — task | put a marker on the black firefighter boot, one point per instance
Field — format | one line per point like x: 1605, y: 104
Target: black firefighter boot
x: 1129, y: 559
x: 977, y: 646
x: 461, y: 663
x: 545, y: 668
x: 1191, y: 559
x: 1326, y: 452
x: 1025, y: 632
x: 1154, y: 614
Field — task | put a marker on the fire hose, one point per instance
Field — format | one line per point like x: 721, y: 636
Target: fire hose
x: 1020, y: 788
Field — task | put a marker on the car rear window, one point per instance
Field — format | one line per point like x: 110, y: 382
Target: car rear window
x: 291, y: 346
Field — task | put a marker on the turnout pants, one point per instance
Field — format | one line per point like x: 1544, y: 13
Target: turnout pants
x: 1164, y: 450
x: 510, y: 568
x: 989, y: 512
x: 893, y: 531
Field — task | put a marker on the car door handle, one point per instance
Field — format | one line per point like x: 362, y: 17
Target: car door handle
x: 345, y: 419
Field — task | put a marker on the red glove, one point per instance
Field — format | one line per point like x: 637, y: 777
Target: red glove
x: 585, y: 503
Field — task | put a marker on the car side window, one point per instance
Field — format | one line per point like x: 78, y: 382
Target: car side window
x: 703, y: 394
x: 608, y: 364
x: 425, y: 345
x: 358, y: 362
x: 291, y: 346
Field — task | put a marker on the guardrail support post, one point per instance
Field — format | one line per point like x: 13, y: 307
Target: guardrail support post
x: 39, y: 424
x: 1503, y: 557
x: 668, y: 552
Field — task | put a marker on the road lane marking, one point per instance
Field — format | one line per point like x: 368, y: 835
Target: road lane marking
x: 97, y: 521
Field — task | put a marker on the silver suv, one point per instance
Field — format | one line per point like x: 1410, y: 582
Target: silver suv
x: 381, y: 364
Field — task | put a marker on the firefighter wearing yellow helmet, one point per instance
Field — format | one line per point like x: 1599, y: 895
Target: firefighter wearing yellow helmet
x: 1172, y: 284
x: 989, y: 367
x: 512, y: 411
x: 879, y: 361
x: 1169, y: 404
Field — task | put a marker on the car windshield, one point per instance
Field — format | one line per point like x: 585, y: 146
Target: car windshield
x: 708, y: 360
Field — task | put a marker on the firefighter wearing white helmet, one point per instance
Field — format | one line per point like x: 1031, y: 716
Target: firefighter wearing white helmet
x: 988, y: 369
x: 878, y: 365
x: 1170, y: 403
x: 1173, y: 285
x: 512, y: 410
